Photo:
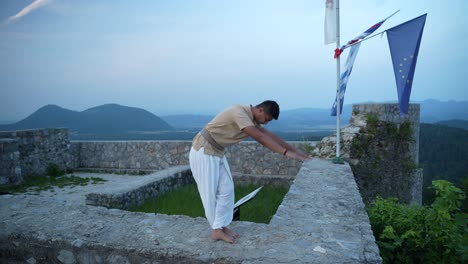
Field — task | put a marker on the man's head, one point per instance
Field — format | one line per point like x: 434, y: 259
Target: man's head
x: 267, y: 110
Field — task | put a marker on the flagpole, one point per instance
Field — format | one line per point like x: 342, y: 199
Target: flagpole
x: 337, y: 159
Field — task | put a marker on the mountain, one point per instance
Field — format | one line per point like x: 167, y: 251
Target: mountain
x: 112, y: 121
x: 121, y: 119
x: 101, y: 120
x: 433, y: 111
x: 188, y: 121
x: 316, y: 119
x: 457, y: 123
x: 309, y: 119
x: 46, y: 116
x: 319, y: 119
x: 6, y: 122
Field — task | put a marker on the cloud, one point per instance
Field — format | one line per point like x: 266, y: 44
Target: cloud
x: 34, y: 5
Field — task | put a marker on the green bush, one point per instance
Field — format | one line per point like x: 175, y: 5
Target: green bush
x: 422, y: 234
x: 54, y: 170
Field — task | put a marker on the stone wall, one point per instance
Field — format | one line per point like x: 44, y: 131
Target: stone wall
x: 160, y: 182
x: 382, y: 164
x: 29, y: 152
x: 322, y: 219
x: 382, y: 148
x: 248, y: 157
x: 153, y: 186
x: 130, y: 155
x: 10, y: 167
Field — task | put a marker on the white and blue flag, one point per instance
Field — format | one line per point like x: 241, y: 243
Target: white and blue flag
x: 345, y: 76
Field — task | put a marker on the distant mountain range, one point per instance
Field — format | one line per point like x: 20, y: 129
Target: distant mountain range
x: 319, y: 119
x: 289, y: 120
x: 433, y: 111
x: 112, y: 121
x: 187, y: 122
x: 456, y: 123
x: 104, y: 119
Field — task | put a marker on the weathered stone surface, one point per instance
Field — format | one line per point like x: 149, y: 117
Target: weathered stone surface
x: 141, y: 188
x: 384, y: 164
x: 10, y: 164
x: 29, y: 152
x: 66, y: 257
x: 143, y: 156
x: 321, y: 220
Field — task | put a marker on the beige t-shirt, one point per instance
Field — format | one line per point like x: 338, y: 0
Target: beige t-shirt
x: 226, y: 129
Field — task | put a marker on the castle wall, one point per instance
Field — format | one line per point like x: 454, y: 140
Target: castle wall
x: 10, y: 167
x: 29, y: 152
x: 136, y: 156
x: 382, y: 148
x: 388, y: 165
x: 384, y: 164
x: 322, y: 219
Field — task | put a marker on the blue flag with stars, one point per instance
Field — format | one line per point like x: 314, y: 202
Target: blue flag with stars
x: 404, y: 41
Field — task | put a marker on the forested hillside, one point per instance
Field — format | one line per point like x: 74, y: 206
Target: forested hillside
x: 443, y: 153
x: 458, y: 123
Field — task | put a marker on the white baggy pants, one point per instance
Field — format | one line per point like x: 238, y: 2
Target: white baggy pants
x: 216, y: 187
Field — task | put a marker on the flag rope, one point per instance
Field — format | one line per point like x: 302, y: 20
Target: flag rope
x: 362, y: 37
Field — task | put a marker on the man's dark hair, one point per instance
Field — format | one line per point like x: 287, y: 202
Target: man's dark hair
x: 270, y: 107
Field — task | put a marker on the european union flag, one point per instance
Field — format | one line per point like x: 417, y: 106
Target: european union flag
x: 404, y: 41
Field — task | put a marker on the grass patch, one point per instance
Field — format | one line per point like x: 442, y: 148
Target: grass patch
x: 43, y: 183
x: 186, y: 201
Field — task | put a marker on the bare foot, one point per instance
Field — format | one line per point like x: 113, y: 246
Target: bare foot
x: 218, y: 234
x: 231, y: 233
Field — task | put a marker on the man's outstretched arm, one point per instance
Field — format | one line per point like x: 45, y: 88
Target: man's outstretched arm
x: 282, y: 142
x: 268, y: 140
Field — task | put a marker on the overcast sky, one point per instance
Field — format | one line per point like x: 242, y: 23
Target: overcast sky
x: 200, y: 56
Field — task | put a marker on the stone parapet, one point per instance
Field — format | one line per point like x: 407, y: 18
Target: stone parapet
x: 390, y: 113
x: 247, y: 157
x: 131, y: 155
x: 29, y: 152
x: 382, y: 148
x: 321, y: 220
x: 151, y: 186
x: 142, y: 188
x: 10, y: 164
x: 250, y: 157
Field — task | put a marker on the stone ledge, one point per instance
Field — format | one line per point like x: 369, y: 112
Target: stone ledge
x: 157, y: 183
x: 142, y: 188
x: 321, y: 220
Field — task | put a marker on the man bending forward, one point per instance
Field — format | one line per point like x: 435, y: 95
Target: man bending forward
x: 209, y: 165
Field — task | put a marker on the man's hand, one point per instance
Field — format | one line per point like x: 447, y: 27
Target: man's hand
x: 296, y: 155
